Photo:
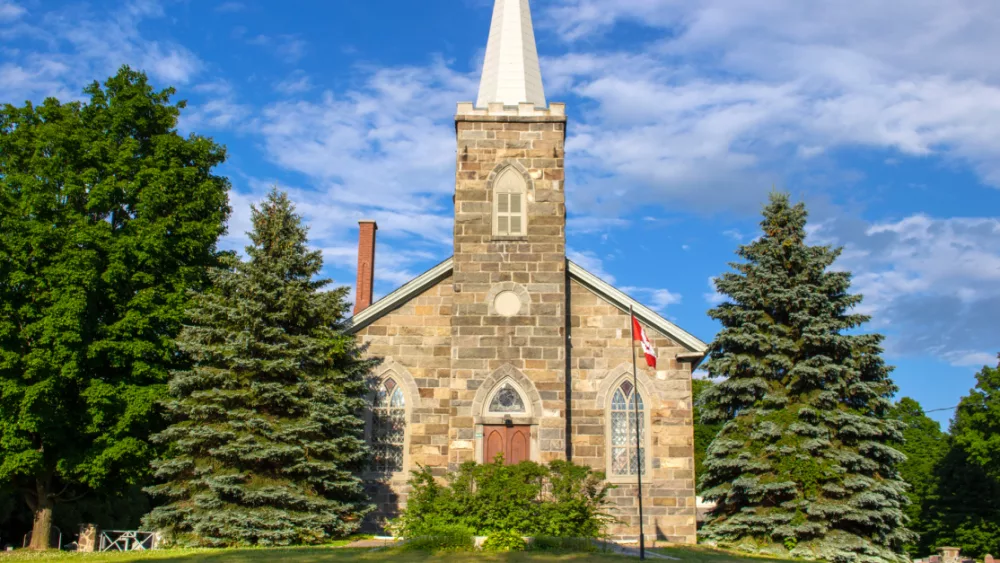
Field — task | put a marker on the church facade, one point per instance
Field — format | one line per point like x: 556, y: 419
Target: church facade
x: 509, y: 347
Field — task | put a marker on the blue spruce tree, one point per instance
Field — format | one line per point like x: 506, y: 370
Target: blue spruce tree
x: 266, y: 438
x: 803, y: 464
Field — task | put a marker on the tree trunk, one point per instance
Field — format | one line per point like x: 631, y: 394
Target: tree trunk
x: 41, y: 532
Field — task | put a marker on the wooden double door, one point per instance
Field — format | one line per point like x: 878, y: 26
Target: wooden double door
x: 514, y: 442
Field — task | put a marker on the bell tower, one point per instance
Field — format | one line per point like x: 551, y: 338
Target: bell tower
x: 508, y: 321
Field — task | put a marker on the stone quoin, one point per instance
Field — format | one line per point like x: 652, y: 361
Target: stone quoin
x: 507, y: 346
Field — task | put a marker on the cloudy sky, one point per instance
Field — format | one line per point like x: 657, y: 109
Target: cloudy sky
x: 883, y: 116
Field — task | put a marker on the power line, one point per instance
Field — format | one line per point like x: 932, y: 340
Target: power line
x: 943, y: 409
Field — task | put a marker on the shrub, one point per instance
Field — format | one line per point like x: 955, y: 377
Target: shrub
x: 443, y: 537
x: 504, y: 541
x: 561, y: 499
x: 551, y: 543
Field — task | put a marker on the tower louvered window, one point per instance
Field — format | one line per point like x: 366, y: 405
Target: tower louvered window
x: 626, y: 459
x: 509, y: 205
x: 388, y: 427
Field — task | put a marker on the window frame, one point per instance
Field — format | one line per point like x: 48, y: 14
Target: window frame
x: 517, y: 389
x: 370, y: 472
x: 503, y: 187
x: 646, y: 417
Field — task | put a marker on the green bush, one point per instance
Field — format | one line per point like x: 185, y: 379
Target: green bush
x: 504, y: 541
x: 443, y: 537
x: 561, y: 499
x: 551, y: 543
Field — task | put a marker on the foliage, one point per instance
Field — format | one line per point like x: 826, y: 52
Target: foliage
x: 108, y: 217
x: 703, y: 433
x: 443, y: 537
x: 804, y: 456
x: 266, y: 439
x: 503, y: 541
x: 925, y: 446
x: 964, y: 510
x: 561, y: 499
x: 550, y: 543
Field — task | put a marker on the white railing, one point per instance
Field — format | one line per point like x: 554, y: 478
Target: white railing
x: 127, y: 540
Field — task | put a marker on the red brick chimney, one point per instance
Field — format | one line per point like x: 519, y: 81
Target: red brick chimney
x: 366, y: 265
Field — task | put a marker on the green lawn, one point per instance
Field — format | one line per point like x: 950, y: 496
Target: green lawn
x: 341, y: 555
x: 701, y: 554
x: 312, y: 555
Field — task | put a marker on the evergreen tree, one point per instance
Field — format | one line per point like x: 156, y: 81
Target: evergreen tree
x: 965, y: 509
x: 925, y: 446
x: 703, y: 433
x: 107, y: 218
x: 266, y: 437
x: 803, y: 464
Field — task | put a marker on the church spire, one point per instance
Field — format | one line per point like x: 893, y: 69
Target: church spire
x: 511, y: 74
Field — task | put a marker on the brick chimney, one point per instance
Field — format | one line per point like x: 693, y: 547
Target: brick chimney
x: 366, y: 265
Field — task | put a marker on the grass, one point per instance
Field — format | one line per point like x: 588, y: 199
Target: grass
x: 687, y: 554
x: 311, y: 555
x: 701, y: 554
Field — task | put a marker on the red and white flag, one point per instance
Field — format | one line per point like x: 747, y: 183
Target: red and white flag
x: 639, y: 333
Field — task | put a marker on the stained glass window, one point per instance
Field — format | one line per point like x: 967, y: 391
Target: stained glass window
x: 388, y: 425
x: 507, y: 399
x: 625, y: 458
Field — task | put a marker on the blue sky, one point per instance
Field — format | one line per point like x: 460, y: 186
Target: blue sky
x: 883, y: 116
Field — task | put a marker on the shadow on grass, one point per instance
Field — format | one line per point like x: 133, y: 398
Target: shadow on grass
x: 350, y: 555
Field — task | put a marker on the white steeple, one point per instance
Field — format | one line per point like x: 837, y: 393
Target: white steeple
x: 510, y: 72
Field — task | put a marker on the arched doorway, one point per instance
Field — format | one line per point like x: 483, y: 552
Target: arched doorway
x: 506, y: 415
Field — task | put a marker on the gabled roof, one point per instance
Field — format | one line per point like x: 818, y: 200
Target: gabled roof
x: 609, y: 293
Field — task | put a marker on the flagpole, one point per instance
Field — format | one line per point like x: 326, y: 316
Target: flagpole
x: 638, y: 424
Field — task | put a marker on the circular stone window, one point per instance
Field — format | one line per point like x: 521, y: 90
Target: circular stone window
x: 507, y: 303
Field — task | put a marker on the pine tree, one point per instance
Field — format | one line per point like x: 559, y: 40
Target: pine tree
x: 266, y: 439
x: 803, y: 465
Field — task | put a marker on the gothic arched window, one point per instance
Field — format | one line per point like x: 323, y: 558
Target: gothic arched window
x: 388, y: 427
x: 510, y: 216
x: 625, y: 459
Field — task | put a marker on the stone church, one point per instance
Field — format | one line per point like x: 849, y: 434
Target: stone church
x: 509, y: 347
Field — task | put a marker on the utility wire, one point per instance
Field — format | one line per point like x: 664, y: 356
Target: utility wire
x: 944, y: 409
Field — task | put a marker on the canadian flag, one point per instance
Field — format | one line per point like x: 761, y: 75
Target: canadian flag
x: 639, y: 333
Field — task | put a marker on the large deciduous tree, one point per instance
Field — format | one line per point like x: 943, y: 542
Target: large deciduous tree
x: 803, y: 465
x: 107, y: 218
x: 266, y: 437
x: 925, y: 446
x: 965, y: 509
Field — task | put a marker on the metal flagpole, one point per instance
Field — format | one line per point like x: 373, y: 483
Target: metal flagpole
x: 638, y: 423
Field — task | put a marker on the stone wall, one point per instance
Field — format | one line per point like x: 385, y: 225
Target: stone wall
x: 532, y: 267
x: 600, y: 357
x: 415, y: 343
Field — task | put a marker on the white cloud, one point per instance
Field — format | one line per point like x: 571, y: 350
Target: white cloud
x: 287, y: 47
x: 657, y: 299
x: 933, y: 285
x: 713, y: 297
x: 296, y: 83
x: 588, y: 260
x: 368, y: 152
x: 230, y: 7
x: 10, y: 10
x: 76, y: 46
x: 738, y: 94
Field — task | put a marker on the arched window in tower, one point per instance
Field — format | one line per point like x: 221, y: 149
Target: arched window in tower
x: 509, y: 203
x: 388, y: 427
x: 625, y: 459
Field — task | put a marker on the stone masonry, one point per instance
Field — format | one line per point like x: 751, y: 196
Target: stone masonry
x: 533, y: 341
